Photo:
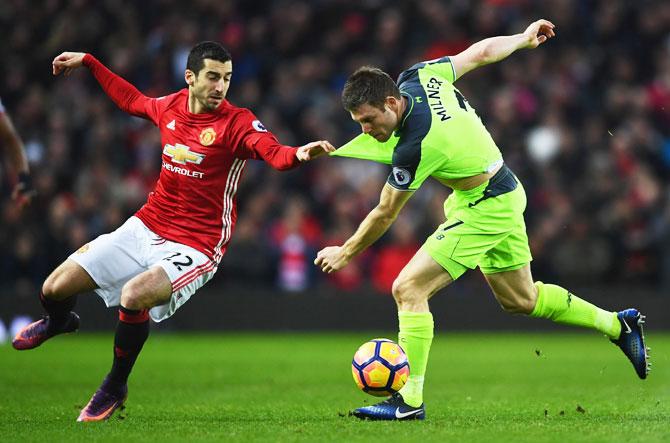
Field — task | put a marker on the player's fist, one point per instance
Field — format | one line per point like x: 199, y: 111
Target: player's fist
x: 66, y: 62
x: 331, y: 259
x: 313, y: 150
x: 538, y: 32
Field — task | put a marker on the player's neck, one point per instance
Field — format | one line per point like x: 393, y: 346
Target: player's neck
x: 194, y: 105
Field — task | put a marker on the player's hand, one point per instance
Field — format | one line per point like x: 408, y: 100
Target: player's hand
x: 538, y: 32
x: 313, y: 150
x: 331, y: 259
x: 67, y: 62
x: 23, y: 191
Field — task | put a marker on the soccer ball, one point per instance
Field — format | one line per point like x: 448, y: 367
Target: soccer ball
x: 380, y: 367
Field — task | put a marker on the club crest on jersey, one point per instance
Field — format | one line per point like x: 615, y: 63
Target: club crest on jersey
x: 207, y: 136
x: 182, y: 154
x: 257, y: 125
x: 402, y: 176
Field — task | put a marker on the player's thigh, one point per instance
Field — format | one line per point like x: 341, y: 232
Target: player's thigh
x: 457, y: 246
x: 146, y: 290
x: 111, y: 260
x: 187, y: 270
x: 506, y: 268
x: 421, y: 277
x: 68, y: 279
x: 511, y: 253
x: 514, y: 289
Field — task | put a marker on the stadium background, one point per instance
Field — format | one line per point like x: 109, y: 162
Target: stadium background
x: 583, y: 121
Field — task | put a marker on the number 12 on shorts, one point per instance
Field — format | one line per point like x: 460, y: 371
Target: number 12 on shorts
x: 178, y: 259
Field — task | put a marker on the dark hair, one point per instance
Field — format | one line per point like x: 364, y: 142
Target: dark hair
x: 368, y: 85
x: 203, y: 50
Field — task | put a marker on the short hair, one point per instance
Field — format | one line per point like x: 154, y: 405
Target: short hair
x: 203, y: 50
x: 368, y: 85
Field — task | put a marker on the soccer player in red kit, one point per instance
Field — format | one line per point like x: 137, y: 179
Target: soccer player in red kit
x: 173, y: 245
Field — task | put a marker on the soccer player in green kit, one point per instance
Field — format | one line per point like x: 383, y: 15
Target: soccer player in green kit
x: 424, y: 127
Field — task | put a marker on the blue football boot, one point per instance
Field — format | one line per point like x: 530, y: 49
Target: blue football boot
x: 631, y: 341
x: 393, y: 408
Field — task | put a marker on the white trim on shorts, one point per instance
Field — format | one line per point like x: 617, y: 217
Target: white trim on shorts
x: 115, y: 258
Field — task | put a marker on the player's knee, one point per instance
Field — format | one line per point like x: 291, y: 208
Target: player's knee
x: 132, y: 297
x: 49, y: 287
x: 403, y: 291
x: 54, y: 287
x: 67, y: 280
x: 397, y: 290
x: 136, y: 295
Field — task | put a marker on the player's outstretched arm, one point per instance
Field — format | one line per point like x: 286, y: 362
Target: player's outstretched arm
x: 125, y: 95
x: 313, y: 150
x: 375, y: 224
x: 494, y: 49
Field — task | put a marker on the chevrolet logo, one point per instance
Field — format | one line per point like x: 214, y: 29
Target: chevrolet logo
x: 182, y: 154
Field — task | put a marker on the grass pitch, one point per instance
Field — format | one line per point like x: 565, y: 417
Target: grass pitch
x: 298, y: 387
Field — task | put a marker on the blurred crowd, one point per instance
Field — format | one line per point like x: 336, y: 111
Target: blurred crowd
x: 583, y: 121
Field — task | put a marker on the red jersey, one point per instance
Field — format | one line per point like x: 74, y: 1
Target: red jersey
x: 194, y: 202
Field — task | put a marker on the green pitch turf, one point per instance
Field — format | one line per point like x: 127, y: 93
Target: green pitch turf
x: 298, y: 387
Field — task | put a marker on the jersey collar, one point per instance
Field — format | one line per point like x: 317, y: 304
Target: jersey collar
x: 406, y: 113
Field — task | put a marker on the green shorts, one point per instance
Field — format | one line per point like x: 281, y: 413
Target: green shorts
x: 484, y: 227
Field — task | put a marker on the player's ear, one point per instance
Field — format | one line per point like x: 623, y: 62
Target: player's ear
x: 392, y: 103
x: 189, y: 76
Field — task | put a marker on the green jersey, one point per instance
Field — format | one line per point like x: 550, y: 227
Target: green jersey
x: 440, y: 134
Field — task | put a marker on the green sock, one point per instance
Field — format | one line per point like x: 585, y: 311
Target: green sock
x: 561, y: 306
x: 415, y: 337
